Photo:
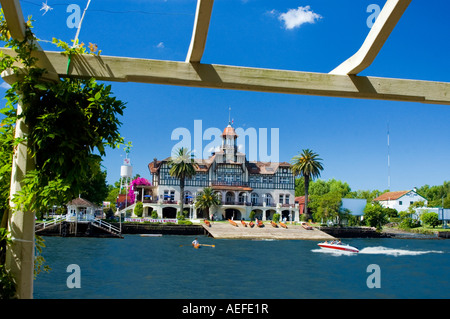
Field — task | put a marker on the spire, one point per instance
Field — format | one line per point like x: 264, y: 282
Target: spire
x: 229, y: 115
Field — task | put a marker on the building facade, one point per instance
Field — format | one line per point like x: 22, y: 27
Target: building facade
x: 263, y: 187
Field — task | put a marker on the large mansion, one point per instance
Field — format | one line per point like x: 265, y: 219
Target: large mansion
x: 264, y: 187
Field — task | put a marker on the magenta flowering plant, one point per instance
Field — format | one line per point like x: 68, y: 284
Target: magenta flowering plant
x: 135, y: 182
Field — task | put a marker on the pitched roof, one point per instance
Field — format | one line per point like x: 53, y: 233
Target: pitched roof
x: 265, y: 167
x: 80, y: 202
x: 390, y: 196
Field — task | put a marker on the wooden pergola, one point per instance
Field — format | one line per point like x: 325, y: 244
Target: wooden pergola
x: 343, y: 81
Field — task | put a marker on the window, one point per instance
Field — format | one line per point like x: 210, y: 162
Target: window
x: 400, y: 202
x: 281, y: 199
x: 286, y: 198
x: 268, y: 199
x: 254, y: 198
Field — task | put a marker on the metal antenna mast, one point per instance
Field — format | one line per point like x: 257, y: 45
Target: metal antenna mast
x: 388, y: 158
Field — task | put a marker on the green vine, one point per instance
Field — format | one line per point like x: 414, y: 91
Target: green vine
x: 70, y: 121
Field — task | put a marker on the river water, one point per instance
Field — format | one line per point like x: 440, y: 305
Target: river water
x: 168, y: 267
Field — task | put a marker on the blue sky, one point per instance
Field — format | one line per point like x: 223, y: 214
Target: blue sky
x: 349, y: 134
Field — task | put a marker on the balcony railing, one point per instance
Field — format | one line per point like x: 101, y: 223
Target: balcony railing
x: 240, y: 203
x: 225, y: 183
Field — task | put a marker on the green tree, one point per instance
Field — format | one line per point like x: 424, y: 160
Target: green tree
x: 337, y: 186
x: 207, y: 199
x: 94, y: 188
x: 375, y: 215
x: 437, y: 196
x: 182, y: 166
x: 308, y: 165
x: 113, y: 193
x: 300, y: 186
x: 327, y: 206
x: 318, y: 187
x: 430, y: 218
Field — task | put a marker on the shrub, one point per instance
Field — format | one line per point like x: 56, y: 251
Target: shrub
x: 184, y: 222
x: 139, y: 209
x: 252, y: 215
x: 375, y: 215
x: 303, y: 217
x: 276, y: 217
x: 431, y: 219
x: 180, y: 216
x: 409, y: 222
x: 154, y: 214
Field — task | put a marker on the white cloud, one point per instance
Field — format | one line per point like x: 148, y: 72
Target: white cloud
x: 160, y: 45
x: 5, y: 86
x: 294, y: 18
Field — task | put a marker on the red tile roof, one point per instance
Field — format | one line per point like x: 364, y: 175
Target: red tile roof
x: 390, y: 196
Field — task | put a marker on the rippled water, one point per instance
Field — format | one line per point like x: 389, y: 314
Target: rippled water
x: 168, y: 267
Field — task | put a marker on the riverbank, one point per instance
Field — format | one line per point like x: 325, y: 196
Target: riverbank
x: 226, y: 230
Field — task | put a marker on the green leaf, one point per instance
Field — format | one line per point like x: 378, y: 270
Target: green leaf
x: 41, y: 87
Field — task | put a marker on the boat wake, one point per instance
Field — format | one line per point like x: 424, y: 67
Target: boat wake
x: 379, y: 250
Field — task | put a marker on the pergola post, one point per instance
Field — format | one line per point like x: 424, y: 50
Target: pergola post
x: 20, y: 254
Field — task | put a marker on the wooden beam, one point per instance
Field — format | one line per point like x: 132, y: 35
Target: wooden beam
x: 380, y: 31
x: 120, y: 69
x: 14, y: 18
x: 200, y: 32
x: 16, y: 25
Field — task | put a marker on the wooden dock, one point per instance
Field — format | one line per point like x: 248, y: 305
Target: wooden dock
x: 293, y: 232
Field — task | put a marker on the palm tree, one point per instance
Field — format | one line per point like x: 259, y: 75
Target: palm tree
x: 206, y: 199
x: 182, y: 166
x: 307, y: 164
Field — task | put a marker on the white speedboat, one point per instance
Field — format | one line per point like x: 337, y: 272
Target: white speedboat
x: 337, y: 246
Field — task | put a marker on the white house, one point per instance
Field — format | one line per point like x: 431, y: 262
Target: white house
x: 400, y: 200
x: 80, y: 209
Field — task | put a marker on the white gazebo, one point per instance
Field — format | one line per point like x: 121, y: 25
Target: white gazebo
x: 80, y: 209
